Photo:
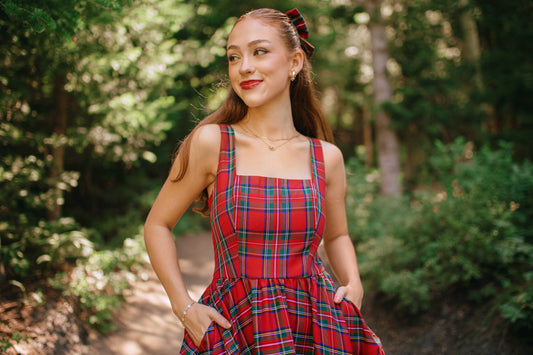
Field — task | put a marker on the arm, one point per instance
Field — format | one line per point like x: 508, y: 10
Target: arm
x: 172, y: 201
x: 337, y: 243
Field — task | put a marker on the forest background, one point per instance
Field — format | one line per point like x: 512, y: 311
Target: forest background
x: 429, y: 100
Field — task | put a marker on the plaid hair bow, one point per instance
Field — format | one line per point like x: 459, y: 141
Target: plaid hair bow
x: 298, y: 21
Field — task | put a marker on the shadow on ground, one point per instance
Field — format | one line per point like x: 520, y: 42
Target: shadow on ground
x: 146, y: 324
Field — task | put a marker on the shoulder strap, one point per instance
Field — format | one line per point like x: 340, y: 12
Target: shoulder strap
x: 226, y: 162
x: 319, y: 171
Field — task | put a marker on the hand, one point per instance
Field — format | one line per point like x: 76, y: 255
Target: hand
x: 353, y: 293
x: 199, y: 318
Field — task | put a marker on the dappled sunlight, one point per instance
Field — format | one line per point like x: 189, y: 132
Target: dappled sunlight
x: 197, y: 261
x: 95, y: 94
x: 146, y: 323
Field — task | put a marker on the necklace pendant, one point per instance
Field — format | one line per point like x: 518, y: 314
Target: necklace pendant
x: 271, y: 147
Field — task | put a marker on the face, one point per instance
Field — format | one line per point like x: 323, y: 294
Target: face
x: 259, y: 63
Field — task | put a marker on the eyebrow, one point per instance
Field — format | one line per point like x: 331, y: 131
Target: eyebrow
x: 251, y: 44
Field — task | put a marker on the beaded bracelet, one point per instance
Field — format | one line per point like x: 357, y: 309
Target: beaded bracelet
x: 185, y: 311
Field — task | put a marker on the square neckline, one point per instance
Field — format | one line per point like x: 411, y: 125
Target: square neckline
x: 226, y: 172
x: 271, y: 178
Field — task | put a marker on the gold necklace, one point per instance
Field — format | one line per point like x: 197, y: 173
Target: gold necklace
x: 269, y: 145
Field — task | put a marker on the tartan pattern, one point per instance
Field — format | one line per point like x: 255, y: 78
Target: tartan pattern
x: 269, y: 281
x: 280, y: 214
x: 301, y: 27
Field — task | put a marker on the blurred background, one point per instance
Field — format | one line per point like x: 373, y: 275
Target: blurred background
x: 429, y: 100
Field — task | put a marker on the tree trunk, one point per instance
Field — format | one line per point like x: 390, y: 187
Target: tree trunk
x: 58, y: 120
x: 367, y: 136
x: 387, y: 140
x: 472, y: 46
x: 472, y: 53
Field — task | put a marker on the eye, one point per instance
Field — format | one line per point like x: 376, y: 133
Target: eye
x: 260, y: 51
x: 232, y: 58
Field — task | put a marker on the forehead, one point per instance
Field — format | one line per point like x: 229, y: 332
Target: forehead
x: 252, y: 29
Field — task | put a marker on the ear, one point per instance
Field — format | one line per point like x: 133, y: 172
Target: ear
x: 297, y: 61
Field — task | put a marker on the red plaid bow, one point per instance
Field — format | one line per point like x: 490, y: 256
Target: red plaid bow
x: 298, y: 21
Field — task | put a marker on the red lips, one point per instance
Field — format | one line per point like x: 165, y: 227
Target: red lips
x: 250, y: 84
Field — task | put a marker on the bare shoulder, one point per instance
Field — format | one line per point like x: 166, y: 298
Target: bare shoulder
x: 206, y: 139
x: 332, y: 155
x: 204, y: 149
x: 333, y: 163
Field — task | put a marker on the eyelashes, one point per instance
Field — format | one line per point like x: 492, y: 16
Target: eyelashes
x: 256, y: 52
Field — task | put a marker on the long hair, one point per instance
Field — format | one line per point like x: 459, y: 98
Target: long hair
x: 308, y: 117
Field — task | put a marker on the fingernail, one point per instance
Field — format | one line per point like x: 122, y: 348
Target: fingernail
x: 228, y: 324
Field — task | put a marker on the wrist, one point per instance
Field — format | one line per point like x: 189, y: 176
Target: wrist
x: 183, y: 315
x: 355, y: 284
x: 179, y: 306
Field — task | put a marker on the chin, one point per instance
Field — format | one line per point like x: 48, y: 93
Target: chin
x: 252, y: 102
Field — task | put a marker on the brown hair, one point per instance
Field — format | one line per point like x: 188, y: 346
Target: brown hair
x: 308, y: 117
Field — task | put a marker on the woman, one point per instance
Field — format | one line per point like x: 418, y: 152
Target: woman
x: 263, y: 172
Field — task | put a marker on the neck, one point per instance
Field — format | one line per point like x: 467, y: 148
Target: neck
x: 273, y: 122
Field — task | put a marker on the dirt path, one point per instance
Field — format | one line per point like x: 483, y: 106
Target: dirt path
x: 146, y: 325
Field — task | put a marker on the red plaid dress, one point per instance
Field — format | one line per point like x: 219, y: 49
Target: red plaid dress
x: 269, y: 280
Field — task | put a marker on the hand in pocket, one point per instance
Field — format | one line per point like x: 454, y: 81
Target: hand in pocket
x: 198, y: 320
x: 351, y: 293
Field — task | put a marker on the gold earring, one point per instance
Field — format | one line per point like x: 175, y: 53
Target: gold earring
x: 293, y: 77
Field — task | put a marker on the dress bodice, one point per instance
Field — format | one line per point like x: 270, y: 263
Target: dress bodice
x: 268, y: 227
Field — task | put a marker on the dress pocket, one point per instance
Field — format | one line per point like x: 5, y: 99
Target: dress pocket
x: 350, y: 308
x: 205, y: 343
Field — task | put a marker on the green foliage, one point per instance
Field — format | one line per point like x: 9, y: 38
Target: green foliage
x: 468, y: 232
x: 115, y: 69
x: 135, y: 75
x: 47, y: 16
x: 45, y: 245
x: 98, y: 281
x: 123, y: 78
x: 517, y: 307
x: 441, y: 92
x: 28, y: 239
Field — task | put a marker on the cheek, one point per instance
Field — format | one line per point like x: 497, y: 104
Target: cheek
x: 232, y: 74
x: 279, y: 67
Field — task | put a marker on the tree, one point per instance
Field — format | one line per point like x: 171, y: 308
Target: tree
x: 86, y: 93
x: 387, y: 140
x: 37, y: 53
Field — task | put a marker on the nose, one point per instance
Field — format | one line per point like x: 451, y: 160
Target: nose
x: 247, y: 65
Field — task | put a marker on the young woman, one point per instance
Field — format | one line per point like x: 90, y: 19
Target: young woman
x: 274, y: 186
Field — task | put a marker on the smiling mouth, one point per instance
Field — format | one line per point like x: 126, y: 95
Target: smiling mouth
x: 250, y: 84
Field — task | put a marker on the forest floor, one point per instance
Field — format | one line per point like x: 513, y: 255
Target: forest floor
x: 146, y: 325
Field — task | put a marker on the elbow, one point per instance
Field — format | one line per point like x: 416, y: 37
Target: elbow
x: 146, y: 232
x: 154, y: 231
x: 150, y: 229
x: 336, y: 237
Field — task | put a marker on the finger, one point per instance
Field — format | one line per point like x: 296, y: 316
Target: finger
x: 339, y: 295
x: 220, y: 319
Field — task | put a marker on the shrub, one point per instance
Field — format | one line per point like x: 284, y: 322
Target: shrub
x: 468, y: 231
x: 98, y: 281
x: 27, y: 238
